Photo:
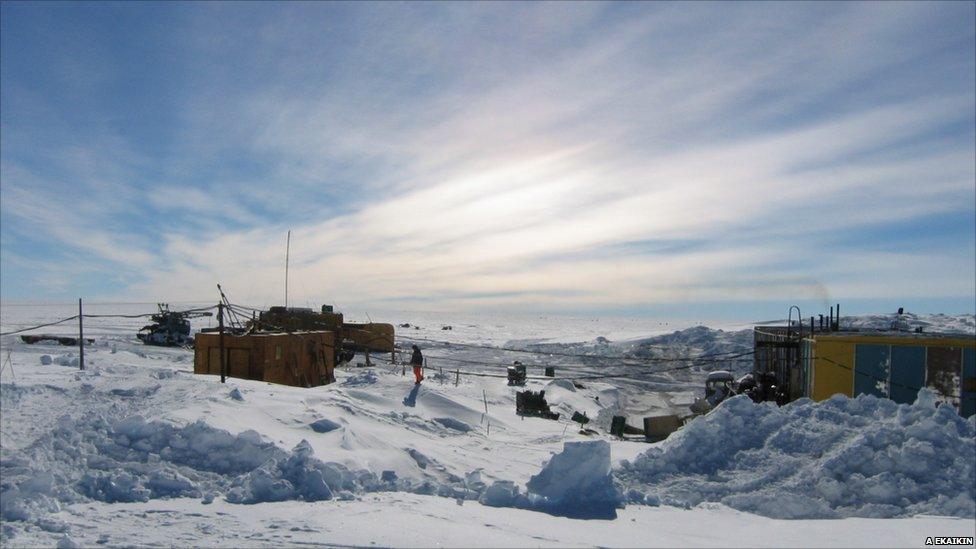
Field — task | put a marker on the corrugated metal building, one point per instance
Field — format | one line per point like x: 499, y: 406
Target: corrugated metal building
x: 893, y: 365
x: 302, y: 359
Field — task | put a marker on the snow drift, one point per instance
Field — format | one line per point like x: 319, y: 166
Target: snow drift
x: 132, y: 460
x: 844, y: 457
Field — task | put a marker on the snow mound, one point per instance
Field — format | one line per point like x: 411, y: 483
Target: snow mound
x: 694, y: 340
x: 133, y: 460
x: 843, y: 457
x: 577, y: 482
x: 92, y: 458
x: 297, y: 476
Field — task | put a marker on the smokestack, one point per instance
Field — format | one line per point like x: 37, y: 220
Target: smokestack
x: 830, y: 322
x: 837, y: 320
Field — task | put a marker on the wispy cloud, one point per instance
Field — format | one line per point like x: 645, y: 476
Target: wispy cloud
x: 513, y: 155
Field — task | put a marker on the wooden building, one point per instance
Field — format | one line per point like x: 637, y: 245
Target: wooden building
x: 301, y: 359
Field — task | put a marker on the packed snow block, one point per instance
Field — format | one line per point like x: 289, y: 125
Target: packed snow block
x: 577, y: 482
x: 171, y: 484
x: 843, y: 457
x: 501, y: 493
x: 120, y: 487
x: 474, y: 481
x: 67, y: 360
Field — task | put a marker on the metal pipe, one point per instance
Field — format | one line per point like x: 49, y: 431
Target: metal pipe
x: 789, y: 320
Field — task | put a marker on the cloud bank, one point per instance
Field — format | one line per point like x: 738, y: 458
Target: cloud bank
x: 468, y: 156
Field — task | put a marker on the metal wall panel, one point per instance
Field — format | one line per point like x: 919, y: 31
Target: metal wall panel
x: 834, y: 372
x: 968, y: 383
x: 871, y: 366
x: 907, y: 372
x: 944, y: 373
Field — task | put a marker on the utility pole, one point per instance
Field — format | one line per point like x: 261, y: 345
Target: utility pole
x: 220, y: 323
x: 287, y: 250
x: 81, y: 338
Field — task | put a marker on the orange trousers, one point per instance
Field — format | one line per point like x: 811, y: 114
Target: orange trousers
x: 418, y: 372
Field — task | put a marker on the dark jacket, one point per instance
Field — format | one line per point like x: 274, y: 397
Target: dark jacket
x: 417, y: 359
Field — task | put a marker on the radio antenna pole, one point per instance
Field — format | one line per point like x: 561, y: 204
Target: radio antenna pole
x: 287, y: 250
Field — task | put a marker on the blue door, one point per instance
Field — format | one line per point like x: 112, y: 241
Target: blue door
x: 871, y: 370
x: 907, y: 372
x: 968, y: 407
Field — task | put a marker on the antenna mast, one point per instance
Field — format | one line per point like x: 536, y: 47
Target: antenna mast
x: 287, y: 249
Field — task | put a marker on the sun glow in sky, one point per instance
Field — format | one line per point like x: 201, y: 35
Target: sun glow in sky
x: 635, y: 157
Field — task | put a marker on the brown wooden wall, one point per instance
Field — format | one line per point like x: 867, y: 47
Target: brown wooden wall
x: 301, y: 359
x: 372, y: 336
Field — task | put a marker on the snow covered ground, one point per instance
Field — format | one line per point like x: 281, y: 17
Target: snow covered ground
x: 137, y: 449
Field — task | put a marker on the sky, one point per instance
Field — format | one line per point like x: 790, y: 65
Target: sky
x: 725, y: 159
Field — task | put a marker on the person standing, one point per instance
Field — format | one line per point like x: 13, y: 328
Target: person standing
x: 417, y: 361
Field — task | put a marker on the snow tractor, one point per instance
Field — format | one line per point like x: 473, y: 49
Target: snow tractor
x: 169, y: 328
x: 517, y: 374
x: 531, y: 403
x: 719, y: 385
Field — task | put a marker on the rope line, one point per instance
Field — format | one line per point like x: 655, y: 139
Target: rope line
x: 564, y: 354
x: 75, y: 317
x: 630, y: 375
x: 40, y: 326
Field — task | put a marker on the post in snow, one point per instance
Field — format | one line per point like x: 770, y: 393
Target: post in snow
x: 220, y: 324
x: 81, y: 338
